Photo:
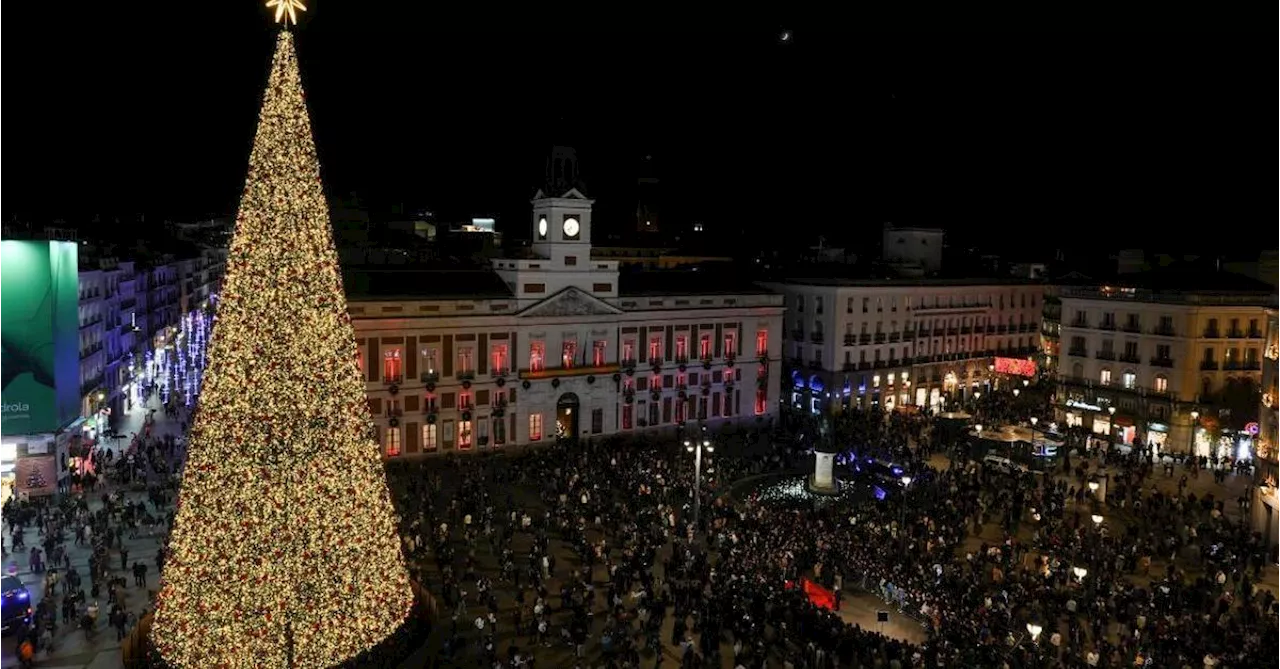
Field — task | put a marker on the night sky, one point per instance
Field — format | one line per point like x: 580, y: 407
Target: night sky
x: 1113, y: 137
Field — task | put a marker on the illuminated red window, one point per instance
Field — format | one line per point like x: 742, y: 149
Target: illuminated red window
x: 704, y: 346
x: 655, y: 349
x: 628, y: 350
x: 681, y: 380
x: 535, y: 427
x: 464, y: 435
x: 429, y: 442
x: 429, y: 402
x: 499, y: 356
x: 628, y: 384
x: 655, y: 382
x: 392, y: 366
x: 762, y: 342
x: 682, y: 347
x: 537, y: 356
x: 730, y: 344
x: 762, y: 401
x: 628, y: 416
x: 598, y: 354
x: 393, y: 441
x: 568, y: 354
x: 464, y: 401
x: 360, y: 362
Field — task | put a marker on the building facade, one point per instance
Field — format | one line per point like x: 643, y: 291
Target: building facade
x: 859, y: 344
x: 559, y: 345
x: 1147, y: 366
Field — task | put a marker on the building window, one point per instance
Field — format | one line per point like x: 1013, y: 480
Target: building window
x: 628, y: 351
x: 393, y: 441
x: 534, y: 288
x: 655, y: 349
x: 392, y: 366
x: 360, y: 363
x: 500, y: 358
x: 1161, y: 384
x: 1105, y: 377
x: 568, y: 353
x: 730, y: 344
x: 762, y: 401
x: 464, y: 401
x: 570, y: 261
x: 597, y: 421
x: 602, y: 287
x: 464, y: 435
x: 704, y: 347
x: 628, y: 416
x: 1129, y: 379
x: 466, y: 360
x: 680, y: 415
x: 598, y: 353
x: 429, y: 443
x: 682, y: 348
x: 762, y: 343
x: 655, y: 382
x: 535, y: 427
x: 499, y: 432
x: 537, y: 356
x: 429, y: 359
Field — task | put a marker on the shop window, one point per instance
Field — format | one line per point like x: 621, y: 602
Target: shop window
x: 393, y: 441
x: 535, y: 427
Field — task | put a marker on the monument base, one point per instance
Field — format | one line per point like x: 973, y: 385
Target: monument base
x: 823, y: 489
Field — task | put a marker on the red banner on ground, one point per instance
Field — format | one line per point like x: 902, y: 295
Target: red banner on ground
x: 819, y: 595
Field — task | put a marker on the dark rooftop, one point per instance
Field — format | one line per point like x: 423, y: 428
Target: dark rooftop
x: 1189, y: 277
x: 930, y: 281
x: 442, y: 284
x: 704, y: 281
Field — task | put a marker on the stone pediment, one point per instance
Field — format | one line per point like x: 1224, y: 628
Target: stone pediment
x: 571, y: 302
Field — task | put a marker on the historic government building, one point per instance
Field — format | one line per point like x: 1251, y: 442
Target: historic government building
x: 557, y: 344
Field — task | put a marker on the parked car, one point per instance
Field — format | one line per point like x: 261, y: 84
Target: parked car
x: 15, y: 608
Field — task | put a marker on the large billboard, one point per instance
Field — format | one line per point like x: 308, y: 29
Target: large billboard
x: 40, y: 330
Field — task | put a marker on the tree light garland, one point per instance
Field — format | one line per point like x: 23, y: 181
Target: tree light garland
x: 284, y: 552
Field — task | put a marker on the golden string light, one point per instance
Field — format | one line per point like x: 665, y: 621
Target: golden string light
x: 287, y: 8
x: 284, y: 551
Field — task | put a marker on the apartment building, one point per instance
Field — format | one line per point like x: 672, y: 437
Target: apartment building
x: 1147, y: 359
x: 862, y: 343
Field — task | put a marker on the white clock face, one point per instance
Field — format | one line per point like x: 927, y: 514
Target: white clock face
x: 570, y: 227
x: 542, y: 226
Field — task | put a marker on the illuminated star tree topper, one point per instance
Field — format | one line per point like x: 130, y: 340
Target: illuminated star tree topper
x: 287, y: 10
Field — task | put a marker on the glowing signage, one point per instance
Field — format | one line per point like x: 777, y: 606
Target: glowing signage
x: 1016, y: 366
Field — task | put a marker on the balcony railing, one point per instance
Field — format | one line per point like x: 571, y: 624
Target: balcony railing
x: 1208, y: 365
x: 1211, y: 334
x: 554, y: 372
x: 1255, y: 334
x: 1078, y: 353
x: 1251, y: 365
x: 1162, y: 362
x: 816, y: 337
x: 880, y: 338
x: 850, y: 340
x: 393, y: 378
x: 1164, y: 332
x: 797, y: 335
x: 1235, y: 334
x: 1107, y: 325
x: 1131, y: 358
x: 864, y: 338
x: 429, y: 377
x: 1104, y: 355
x: 1132, y: 327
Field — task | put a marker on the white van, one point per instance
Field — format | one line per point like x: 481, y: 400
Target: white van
x: 1001, y: 464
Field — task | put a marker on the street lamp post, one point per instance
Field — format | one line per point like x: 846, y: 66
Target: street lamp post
x: 1034, y: 420
x: 696, y: 447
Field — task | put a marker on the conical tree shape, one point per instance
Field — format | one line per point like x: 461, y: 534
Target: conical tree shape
x: 284, y: 551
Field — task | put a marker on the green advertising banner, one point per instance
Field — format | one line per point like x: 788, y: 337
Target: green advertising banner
x: 40, y: 330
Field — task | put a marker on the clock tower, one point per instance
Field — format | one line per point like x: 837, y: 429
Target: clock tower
x: 561, y: 249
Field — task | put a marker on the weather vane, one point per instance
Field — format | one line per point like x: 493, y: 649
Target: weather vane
x: 287, y: 10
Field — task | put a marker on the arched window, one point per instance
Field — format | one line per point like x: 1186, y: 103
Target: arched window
x: 1129, y: 378
x: 1077, y: 371
x: 1206, y: 387
x: 1104, y: 376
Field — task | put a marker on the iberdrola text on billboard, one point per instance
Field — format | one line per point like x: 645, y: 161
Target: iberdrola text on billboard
x: 39, y: 326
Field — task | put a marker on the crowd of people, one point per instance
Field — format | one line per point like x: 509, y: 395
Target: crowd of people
x: 978, y: 557
x: 104, y: 522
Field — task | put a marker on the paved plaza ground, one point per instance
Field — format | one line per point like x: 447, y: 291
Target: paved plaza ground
x: 71, y: 647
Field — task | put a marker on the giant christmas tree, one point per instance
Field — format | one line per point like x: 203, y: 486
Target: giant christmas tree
x: 284, y: 552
